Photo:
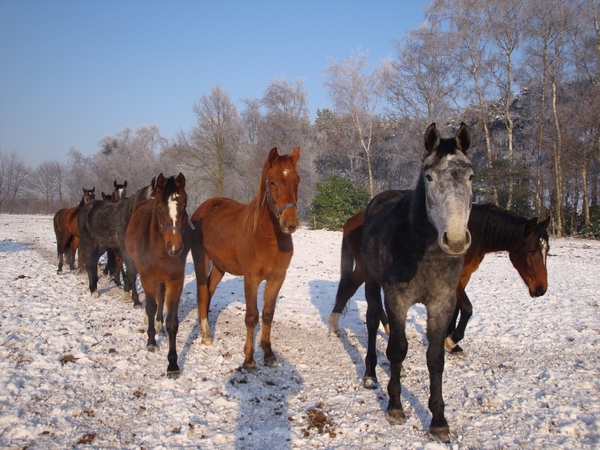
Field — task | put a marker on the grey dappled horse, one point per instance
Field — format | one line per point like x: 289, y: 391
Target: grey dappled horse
x: 413, y: 247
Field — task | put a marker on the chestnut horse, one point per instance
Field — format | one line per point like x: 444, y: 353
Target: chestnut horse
x: 253, y: 241
x: 157, y: 240
x: 412, y: 248
x: 492, y: 230
x: 67, y: 231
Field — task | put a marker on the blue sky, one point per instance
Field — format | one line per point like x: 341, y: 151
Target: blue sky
x: 73, y: 71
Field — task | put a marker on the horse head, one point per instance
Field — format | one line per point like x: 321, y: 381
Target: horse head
x: 170, y: 201
x: 120, y: 191
x: 88, y: 196
x: 280, y: 184
x: 447, y: 173
x: 529, y: 256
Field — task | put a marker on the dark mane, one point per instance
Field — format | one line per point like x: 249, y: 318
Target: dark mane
x: 494, y: 228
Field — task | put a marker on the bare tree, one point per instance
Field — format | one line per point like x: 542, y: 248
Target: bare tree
x: 470, y: 44
x: 209, y: 150
x: 12, y: 174
x: 44, y: 181
x: 129, y: 155
x: 507, y: 22
x: 357, y: 93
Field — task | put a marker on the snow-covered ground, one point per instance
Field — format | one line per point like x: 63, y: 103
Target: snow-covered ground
x: 74, y: 371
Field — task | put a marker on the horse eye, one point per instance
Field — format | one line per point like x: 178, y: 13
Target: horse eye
x: 429, y: 177
x: 530, y: 251
x: 471, y: 177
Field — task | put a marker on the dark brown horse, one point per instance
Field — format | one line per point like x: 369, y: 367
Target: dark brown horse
x: 253, y: 241
x: 157, y: 240
x: 492, y: 230
x: 67, y: 231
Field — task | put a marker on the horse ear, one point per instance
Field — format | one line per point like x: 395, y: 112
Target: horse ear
x: 463, y: 138
x: 544, y: 223
x: 125, y: 183
x: 432, y: 138
x: 530, y: 226
x: 180, y: 180
x: 94, y: 189
x: 153, y: 183
x: 115, y: 183
x: 273, y: 155
x: 295, y: 156
x: 161, y: 181
x: 84, y: 190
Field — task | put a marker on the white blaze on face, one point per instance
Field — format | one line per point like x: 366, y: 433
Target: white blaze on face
x: 545, y: 248
x: 172, y: 204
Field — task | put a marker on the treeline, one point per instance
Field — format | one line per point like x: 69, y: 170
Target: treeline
x: 523, y: 74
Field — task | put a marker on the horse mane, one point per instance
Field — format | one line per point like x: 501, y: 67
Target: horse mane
x: 494, y: 228
x: 254, y: 208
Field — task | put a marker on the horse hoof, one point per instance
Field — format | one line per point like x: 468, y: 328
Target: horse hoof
x: 370, y: 383
x: 386, y: 328
x: 458, y: 351
x: 95, y: 294
x: 441, y: 434
x: 207, y: 341
x: 249, y: 367
x: 395, y: 416
x: 127, y: 296
x: 449, y: 343
x: 272, y: 362
x: 173, y: 374
x: 151, y: 348
x: 137, y: 305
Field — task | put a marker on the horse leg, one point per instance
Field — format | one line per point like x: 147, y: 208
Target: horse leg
x: 173, y: 295
x: 438, y: 316
x: 272, y: 287
x: 73, y: 246
x: 250, y: 291
x: 130, y: 289
x: 373, y: 296
x: 396, y: 351
x: 151, y: 308
x: 160, y: 302
x: 91, y: 256
x: 350, y: 281
x: 463, y: 304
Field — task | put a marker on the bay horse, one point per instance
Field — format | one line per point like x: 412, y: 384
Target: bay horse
x: 67, y: 231
x: 120, y: 191
x: 253, y: 241
x: 102, y: 225
x: 412, y: 248
x: 158, y: 241
x: 492, y: 230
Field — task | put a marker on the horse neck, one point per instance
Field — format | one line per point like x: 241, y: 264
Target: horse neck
x: 493, y: 230
x: 418, y: 207
x: 258, y: 218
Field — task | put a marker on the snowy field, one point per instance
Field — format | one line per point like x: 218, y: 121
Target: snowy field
x: 74, y: 371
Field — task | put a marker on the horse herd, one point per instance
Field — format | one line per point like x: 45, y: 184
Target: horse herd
x: 418, y: 246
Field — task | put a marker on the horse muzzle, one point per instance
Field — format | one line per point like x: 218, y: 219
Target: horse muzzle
x: 174, y: 250
x: 289, y: 222
x: 456, y: 244
x: 538, y: 291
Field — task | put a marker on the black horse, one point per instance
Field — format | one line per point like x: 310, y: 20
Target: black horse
x: 102, y: 226
x: 412, y: 247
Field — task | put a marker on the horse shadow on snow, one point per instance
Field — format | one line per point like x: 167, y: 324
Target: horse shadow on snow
x: 353, y: 323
